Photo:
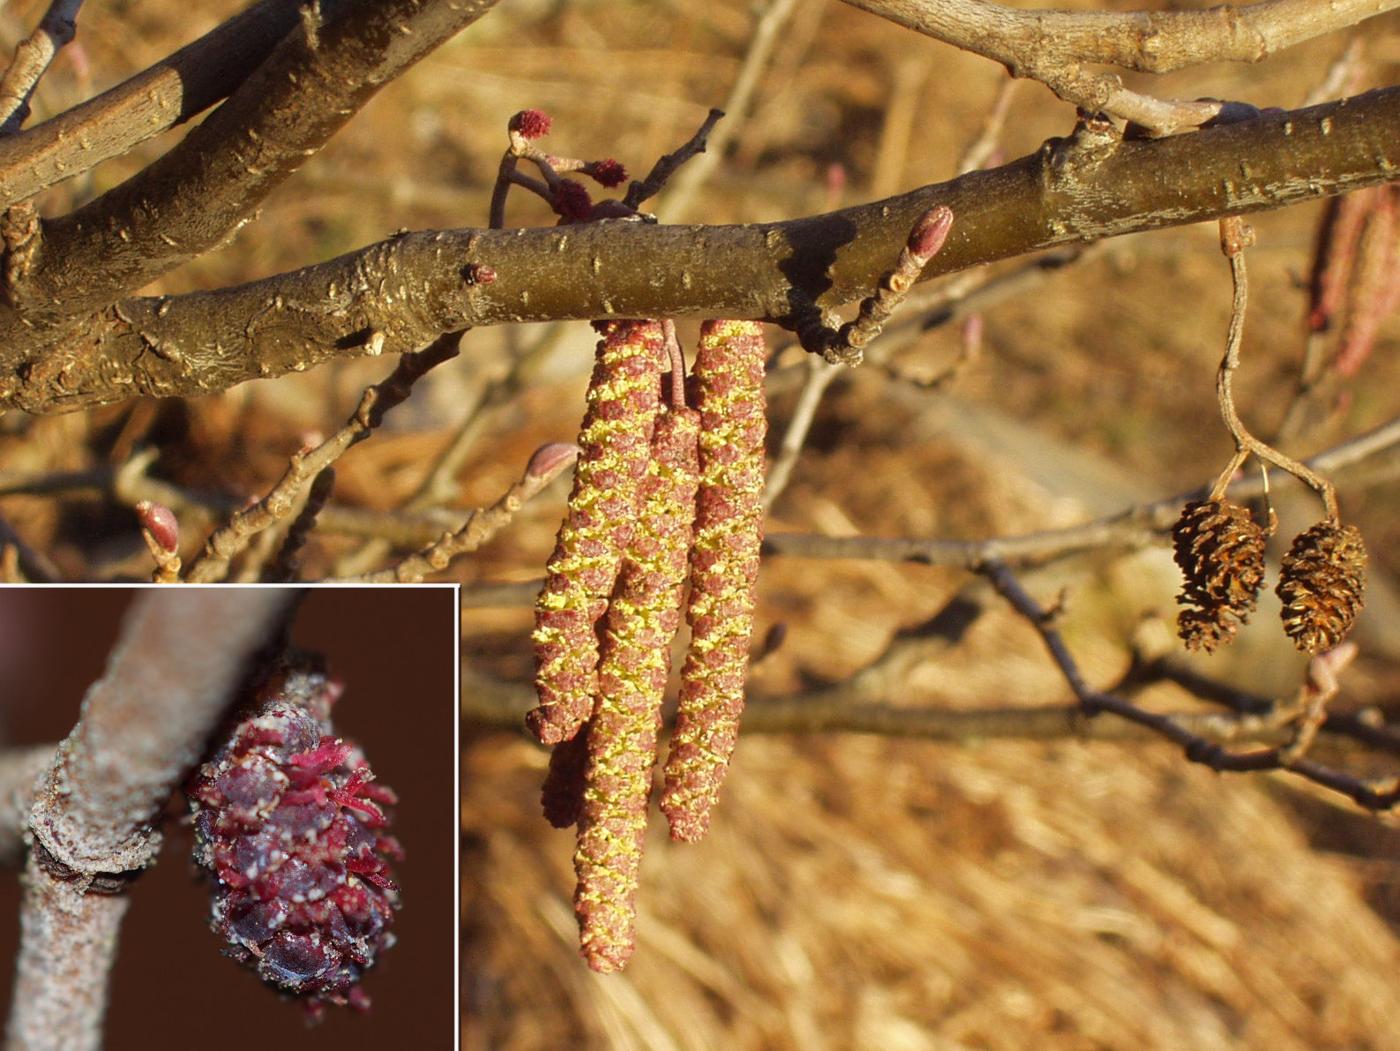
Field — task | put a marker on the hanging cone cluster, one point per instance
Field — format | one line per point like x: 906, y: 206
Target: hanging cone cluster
x: 638, y: 528
x: 1322, y: 585
x: 1220, y: 550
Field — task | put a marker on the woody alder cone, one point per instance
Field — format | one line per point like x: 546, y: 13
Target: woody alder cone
x: 1322, y: 585
x: 1220, y: 549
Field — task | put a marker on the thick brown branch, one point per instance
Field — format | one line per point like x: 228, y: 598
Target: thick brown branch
x: 416, y: 286
x: 201, y: 191
x: 1053, y: 46
x: 163, y: 96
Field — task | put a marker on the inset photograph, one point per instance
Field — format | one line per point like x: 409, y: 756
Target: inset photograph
x: 228, y: 816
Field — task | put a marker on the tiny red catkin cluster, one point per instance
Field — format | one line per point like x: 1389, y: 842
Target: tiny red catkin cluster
x: 293, y: 831
x: 614, y: 449
x: 697, y: 518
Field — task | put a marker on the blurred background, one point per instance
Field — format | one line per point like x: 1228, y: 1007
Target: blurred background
x: 856, y: 891
x: 394, y: 650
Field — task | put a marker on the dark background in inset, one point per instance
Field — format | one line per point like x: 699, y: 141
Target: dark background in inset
x: 395, y: 650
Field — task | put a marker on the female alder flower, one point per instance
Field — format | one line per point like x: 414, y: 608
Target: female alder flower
x: 614, y: 448
x: 728, y: 379
x: 293, y: 831
x: 636, y: 662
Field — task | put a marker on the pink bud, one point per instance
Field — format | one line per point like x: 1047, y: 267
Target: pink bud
x: 531, y: 123
x: 930, y: 232
x: 476, y: 274
x: 549, y: 460
x: 160, y: 522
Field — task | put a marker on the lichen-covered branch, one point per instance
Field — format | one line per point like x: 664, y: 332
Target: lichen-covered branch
x: 143, y: 725
x: 414, y: 287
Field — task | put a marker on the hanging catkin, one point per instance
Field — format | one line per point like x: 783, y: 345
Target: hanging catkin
x: 728, y: 386
x: 614, y: 448
x: 636, y: 646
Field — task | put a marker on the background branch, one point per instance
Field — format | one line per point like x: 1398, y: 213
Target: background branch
x: 1053, y: 46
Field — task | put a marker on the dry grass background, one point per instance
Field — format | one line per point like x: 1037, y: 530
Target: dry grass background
x: 855, y: 892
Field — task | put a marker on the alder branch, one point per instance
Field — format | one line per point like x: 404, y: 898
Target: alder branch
x: 156, y: 100
x: 202, y: 190
x: 143, y: 725
x: 414, y: 287
x: 1054, y: 46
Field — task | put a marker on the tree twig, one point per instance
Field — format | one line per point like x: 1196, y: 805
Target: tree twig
x: 203, y: 189
x: 1374, y: 795
x: 143, y: 724
x: 481, y: 525
x: 226, y: 542
x: 1135, y: 527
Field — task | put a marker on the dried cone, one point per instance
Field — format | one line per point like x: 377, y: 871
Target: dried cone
x: 636, y: 662
x: 614, y: 449
x: 1220, y: 549
x: 728, y: 377
x: 1322, y: 585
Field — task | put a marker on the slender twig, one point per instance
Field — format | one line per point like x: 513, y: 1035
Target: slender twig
x: 980, y: 151
x: 819, y: 376
x: 226, y: 542
x: 846, y: 345
x: 642, y: 191
x: 1235, y: 237
x: 143, y: 725
x: 57, y: 28
x: 1374, y: 795
x: 481, y: 525
x: 767, y: 30
x: 287, y: 564
x: 491, y: 703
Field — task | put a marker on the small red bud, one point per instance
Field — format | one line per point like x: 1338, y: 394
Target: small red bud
x: 930, y: 232
x: 531, y: 123
x: 550, y: 459
x: 606, y: 172
x: 160, y: 522
x: 477, y: 274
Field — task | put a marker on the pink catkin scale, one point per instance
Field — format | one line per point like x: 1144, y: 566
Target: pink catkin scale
x: 728, y: 388
x: 293, y: 832
x: 614, y: 449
